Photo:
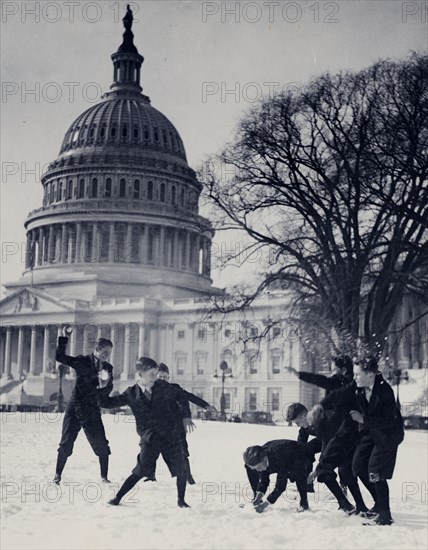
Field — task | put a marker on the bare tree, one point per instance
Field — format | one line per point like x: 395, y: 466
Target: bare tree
x: 332, y: 181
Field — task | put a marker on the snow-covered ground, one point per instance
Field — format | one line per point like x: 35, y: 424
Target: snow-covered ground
x: 38, y: 515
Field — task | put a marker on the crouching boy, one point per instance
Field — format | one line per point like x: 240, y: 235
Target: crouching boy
x: 159, y: 409
x: 290, y: 460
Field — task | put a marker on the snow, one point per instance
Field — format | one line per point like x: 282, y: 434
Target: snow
x: 38, y: 515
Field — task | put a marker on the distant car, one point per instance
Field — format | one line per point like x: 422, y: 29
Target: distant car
x: 208, y: 415
x: 257, y: 417
x: 416, y: 422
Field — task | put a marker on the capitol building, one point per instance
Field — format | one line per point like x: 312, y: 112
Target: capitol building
x: 118, y: 249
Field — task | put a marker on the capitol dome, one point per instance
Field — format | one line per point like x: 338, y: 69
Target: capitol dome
x: 124, y: 120
x: 120, y: 203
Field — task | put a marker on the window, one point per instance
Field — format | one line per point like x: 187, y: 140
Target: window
x: 94, y: 188
x: 201, y: 361
x: 181, y: 334
x: 107, y: 189
x: 136, y: 189
x: 58, y: 191
x: 162, y: 192
x: 69, y: 193
x: 252, y: 401
x: 103, y: 131
x: 276, y: 364
x: 276, y: 331
x: 254, y: 332
x: 182, y: 196
x: 252, y: 362
x: 135, y: 132
x: 113, y: 131
x: 227, y: 401
x: 202, y: 334
x: 275, y: 401
x: 156, y: 134
x: 181, y: 363
x: 150, y: 191
x: 228, y: 333
x: 173, y: 195
x: 122, y: 188
x: 124, y: 131
x: 81, y: 189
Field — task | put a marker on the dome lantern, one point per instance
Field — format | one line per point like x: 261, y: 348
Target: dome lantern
x: 127, y: 61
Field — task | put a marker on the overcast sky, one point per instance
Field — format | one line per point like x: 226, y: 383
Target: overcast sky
x: 205, y: 62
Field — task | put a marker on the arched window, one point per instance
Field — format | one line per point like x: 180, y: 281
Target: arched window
x: 122, y: 188
x: 150, y: 191
x: 103, y: 131
x: 173, y: 195
x: 59, y: 191
x: 135, y: 132
x: 146, y: 135
x: 107, y: 188
x: 162, y: 192
x: 124, y: 131
x: 172, y: 138
x: 136, y: 189
x: 94, y: 188
x: 182, y: 196
x: 92, y: 131
x: 113, y: 131
x: 156, y: 135
x: 69, y: 193
x: 81, y: 189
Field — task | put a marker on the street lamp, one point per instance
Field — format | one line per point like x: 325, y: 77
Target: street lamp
x: 223, y: 367
x: 394, y: 377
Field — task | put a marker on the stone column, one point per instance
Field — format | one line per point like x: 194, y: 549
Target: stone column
x: 64, y: 243
x: 7, y: 353
x: 196, y: 259
x: 176, y: 246
x: 40, y: 246
x: 78, y: 244
x: 141, y: 333
x: 51, y: 244
x: 20, y: 349
x: 126, y: 353
x: 111, y: 243
x: 85, y: 340
x: 95, y: 244
x: 188, y: 250
x: 128, y: 244
x: 33, y: 350
x: 45, y: 349
x: 28, y: 251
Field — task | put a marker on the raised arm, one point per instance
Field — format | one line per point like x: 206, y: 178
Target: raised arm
x: 62, y: 357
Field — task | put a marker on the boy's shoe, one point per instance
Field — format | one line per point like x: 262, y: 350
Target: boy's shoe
x: 183, y: 504
x: 369, y: 514
x: 105, y: 480
x: 56, y: 479
x: 302, y: 508
x: 310, y: 488
x: 190, y: 479
x: 114, y: 502
x: 347, y: 507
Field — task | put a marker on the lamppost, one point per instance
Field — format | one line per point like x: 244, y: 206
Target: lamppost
x: 223, y: 367
x: 395, y: 376
x: 60, y: 398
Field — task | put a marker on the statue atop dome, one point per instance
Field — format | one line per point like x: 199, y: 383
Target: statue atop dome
x: 128, y: 19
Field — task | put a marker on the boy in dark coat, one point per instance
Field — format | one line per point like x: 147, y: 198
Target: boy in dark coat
x: 163, y: 374
x: 83, y: 410
x: 290, y: 460
x: 371, y: 403
x: 336, y: 452
x: 160, y: 411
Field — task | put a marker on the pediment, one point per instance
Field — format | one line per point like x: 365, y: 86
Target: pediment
x: 29, y: 301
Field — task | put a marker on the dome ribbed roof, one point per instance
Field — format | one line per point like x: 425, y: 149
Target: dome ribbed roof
x: 127, y: 120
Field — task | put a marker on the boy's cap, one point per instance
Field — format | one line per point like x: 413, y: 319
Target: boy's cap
x: 163, y: 368
x: 254, y: 455
x: 145, y: 363
x: 294, y: 410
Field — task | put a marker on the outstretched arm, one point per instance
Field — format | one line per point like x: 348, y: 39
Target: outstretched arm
x: 62, y: 357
